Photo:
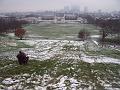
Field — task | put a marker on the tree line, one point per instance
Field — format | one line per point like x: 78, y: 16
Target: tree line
x: 10, y: 24
x: 109, y: 25
x: 111, y: 28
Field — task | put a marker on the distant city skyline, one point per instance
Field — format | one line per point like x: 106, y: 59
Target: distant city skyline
x: 40, y: 5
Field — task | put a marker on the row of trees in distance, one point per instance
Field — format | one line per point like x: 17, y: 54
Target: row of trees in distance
x: 109, y: 27
x: 11, y: 24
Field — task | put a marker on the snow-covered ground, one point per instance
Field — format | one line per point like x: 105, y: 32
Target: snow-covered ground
x: 44, y: 82
x: 46, y: 49
x: 50, y: 49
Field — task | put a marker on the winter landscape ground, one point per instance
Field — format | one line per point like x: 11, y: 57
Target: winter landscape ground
x: 58, y: 60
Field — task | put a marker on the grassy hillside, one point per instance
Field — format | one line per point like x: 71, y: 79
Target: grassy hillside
x: 88, y: 75
x: 9, y: 43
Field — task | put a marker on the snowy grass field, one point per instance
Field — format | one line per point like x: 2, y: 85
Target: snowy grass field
x: 59, y: 75
x: 8, y: 43
x: 60, y: 31
x: 58, y: 61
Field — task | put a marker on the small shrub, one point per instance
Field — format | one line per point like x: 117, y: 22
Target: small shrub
x: 20, y: 33
x: 83, y: 34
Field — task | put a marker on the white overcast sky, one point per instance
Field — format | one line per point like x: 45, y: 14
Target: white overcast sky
x: 34, y: 5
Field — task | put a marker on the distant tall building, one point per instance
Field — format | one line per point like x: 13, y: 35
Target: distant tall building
x: 75, y: 9
x: 66, y: 9
x: 100, y: 11
x: 85, y: 10
x: 72, y: 9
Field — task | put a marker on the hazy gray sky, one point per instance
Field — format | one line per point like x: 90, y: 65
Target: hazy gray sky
x: 34, y: 5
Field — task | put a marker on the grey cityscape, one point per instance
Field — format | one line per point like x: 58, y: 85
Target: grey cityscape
x: 59, y: 44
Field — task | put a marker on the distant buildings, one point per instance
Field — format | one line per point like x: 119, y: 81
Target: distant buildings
x: 55, y: 17
x: 69, y: 14
x: 85, y: 10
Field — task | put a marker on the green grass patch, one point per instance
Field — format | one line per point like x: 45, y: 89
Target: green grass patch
x: 60, y: 30
x: 57, y: 68
x: 88, y: 73
x: 106, y: 52
x: 70, y: 48
x: 5, y: 39
x: 112, y: 41
x: 5, y: 48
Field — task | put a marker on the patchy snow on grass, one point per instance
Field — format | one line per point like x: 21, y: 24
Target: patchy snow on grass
x: 9, y: 81
x: 38, y: 82
x: 95, y: 36
x: 63, y: 49
x: 11, y: 34
x: 99, y: 59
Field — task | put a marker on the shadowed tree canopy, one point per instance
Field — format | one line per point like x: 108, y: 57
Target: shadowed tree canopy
x: 83, y: 34
x: 20, y: 33
x: 10, y: 24
x: 109, y: 27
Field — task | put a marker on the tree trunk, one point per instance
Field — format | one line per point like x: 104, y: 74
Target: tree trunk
x: 21, y: 38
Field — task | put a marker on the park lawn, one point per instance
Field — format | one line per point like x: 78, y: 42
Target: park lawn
x: 60, y: 30
x: 106, y: 52
x: 7, y: 41
x: 89, y: 73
